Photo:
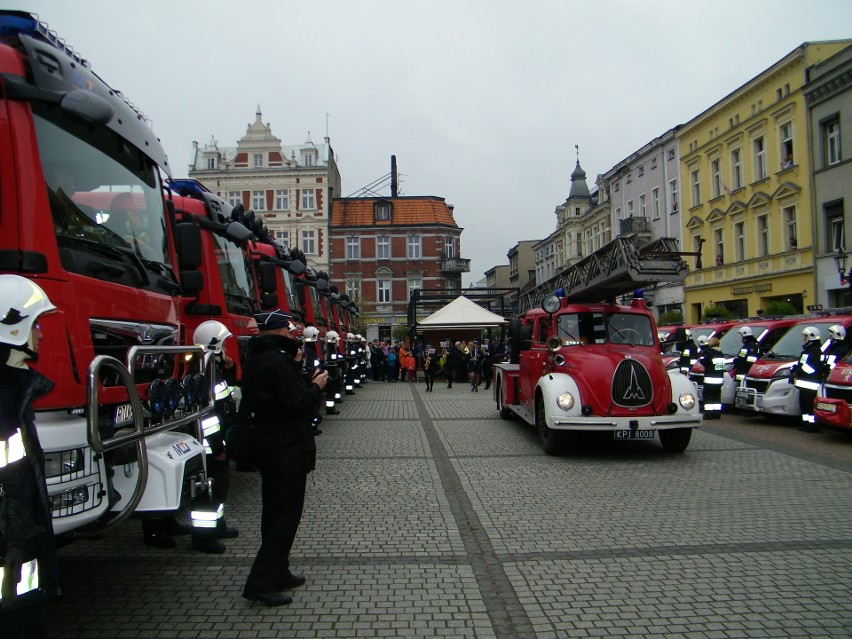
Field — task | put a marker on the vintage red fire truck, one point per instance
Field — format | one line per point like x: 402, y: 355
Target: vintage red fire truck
x: 72, y: 152
x: 582, y: 364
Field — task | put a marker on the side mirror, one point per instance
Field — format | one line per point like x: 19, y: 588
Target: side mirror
x: 322, y: 285
x: 296, y: 267
x: 237, y: 233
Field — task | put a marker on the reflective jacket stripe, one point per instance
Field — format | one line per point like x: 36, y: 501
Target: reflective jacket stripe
x: 210, y: 425
x: 222, y: 390
x: 803, y: 383
x: 12, y: 449
x: 713, y: 380
x: 29, y: 578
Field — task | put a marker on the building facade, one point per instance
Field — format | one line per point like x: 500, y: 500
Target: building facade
x: 521, y: 268
x: 289, y: 186
x: 745, y: 192
x: 382, y: 249
x: 829, y: 99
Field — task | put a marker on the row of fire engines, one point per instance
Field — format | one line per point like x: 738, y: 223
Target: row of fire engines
x: 580, y: 362
x: 134, y: 263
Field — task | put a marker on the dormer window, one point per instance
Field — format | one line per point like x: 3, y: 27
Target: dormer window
x: 382, y: 211
x: 211, y: 163
x: 309, y: 157
x: 258, y: 159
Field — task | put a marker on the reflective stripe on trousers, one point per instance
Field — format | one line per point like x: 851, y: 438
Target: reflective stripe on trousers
x: 29, y: 577
x: 207, y: 518
x: 802, y: 383
x: 12, y: 449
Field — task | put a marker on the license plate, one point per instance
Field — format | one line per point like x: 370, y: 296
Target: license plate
x: 633, y: 434
x: 828, y: 408
x: 123, y: 415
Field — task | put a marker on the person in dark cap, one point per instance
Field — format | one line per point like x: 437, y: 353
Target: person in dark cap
x: 280, y: 405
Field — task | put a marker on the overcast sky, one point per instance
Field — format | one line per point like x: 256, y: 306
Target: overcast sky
x: 482, y: 101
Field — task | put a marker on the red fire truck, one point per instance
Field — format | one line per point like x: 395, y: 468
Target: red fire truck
x: 831, y: 406
x: 72, y: 153
x: 582, y: 364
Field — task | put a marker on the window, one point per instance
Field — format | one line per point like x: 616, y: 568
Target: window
x: 257, y: 200
x: 309, y: 159
x: 413, y: 284
x: 258, y: 159
x: 617, y: 212
x: 739, y: 241
x: 308, y: 201
x: 234, y: 198
x: 353, y: 247
x: 383, y: 247
x: 716, y: 177
x: 308, y: 243
x: 449, y: 247
x: 785, y: 136
x: 642, y: 209
x: 383, y: 291
x: 737, y: 168
x: 629, y: 208
x: 284, y: 236
x: 282, y: 200
x: 835, y: 227
x: 673, y: 195
x: 414, y: 252
x: 211, y: 163
x: 759, y: 159
x: 671, y: 154
x: 696, y: 187
x: 831, y: 140
x: 383, y: 211
x: 789, y: 215
x: 655, y: 203
x: 720, y: 246
x: 762, y: 236
x: 353, y: 288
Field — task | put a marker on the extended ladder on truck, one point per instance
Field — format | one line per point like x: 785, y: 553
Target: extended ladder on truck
x: 616, y: 268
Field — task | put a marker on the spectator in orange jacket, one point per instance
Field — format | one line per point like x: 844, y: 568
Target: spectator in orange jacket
x: 411, y: 367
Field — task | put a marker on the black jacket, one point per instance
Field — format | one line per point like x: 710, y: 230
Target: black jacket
x: 281, y: 405
x: 26, y: 529
x: 809, y: 368
x: 748, y: 354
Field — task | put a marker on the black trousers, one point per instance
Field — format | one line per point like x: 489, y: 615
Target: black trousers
x: 806, y: 405
x: 283, y: 499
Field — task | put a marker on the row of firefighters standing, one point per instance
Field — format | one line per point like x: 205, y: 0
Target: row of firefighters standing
x: 815, y: 363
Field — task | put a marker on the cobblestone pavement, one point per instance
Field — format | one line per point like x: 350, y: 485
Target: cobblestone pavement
x: 428, y: 516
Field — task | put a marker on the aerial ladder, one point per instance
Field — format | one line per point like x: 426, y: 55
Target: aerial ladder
x: 614, y: 269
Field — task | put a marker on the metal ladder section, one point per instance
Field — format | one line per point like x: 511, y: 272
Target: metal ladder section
x: 616, y: 268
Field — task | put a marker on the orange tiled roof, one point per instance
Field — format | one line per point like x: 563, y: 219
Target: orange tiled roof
x: 405, y: 211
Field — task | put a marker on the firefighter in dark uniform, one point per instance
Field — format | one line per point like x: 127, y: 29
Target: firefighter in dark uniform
x: 806, y: 375
x: 30, y: 569
x: 835, y: 348
x: 713, y: 361
x: 688, y: 350
x: 748, y: 354
x: 312, y: 361
x: 333, y: 364
x: 208, y: 521
x: 280, y: 407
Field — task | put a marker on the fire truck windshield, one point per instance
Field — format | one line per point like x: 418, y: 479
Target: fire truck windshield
x: 600, y: 328
x: 292, y: 300
x: 106, y: 203
x: 319, y: 315
x: 789, y: 347
x: 236, y: 279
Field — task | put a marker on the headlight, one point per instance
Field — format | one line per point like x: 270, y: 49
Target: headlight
x: 63, y: 462
x: 782, y: 372
x: 565, y: 401
x: 687, y: 400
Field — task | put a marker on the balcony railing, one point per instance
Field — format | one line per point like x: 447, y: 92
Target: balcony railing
x: 635, y: 225
x: 455, y: 265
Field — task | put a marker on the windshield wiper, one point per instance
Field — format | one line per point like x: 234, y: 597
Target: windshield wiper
x: 115, y: 252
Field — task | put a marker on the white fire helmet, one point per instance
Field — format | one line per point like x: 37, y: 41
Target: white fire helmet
x: 837, y: 332
x: 350, y: 337
x: 745, y: 331
x: 332, y: 337
x: 211, y: 336
x: 359, y: 338
x: 810, y: 334
x: 310, y: 334
x: 21, y: 302
x: 702, y: 340
x: 688, y: 333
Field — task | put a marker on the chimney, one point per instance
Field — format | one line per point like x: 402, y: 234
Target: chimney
x: 394, y: 183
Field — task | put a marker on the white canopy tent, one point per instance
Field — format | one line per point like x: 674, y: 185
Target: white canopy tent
x: 461, y: 313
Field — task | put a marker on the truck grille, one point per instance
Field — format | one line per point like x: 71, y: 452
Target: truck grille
x: 115, y: 338
x: 839, y: 392
x: 631, y: 385
x: 760, y: 385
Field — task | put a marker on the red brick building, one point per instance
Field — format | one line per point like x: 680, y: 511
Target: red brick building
x: 382, y: 249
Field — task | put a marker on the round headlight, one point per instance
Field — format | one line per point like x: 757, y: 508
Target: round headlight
x: 687, y: 400
x: 550, y: 304
x: 565, y: 401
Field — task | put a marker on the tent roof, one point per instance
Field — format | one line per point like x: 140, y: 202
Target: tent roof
x: 462, y: 313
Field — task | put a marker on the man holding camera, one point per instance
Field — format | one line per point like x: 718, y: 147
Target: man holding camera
x: 280, y: 406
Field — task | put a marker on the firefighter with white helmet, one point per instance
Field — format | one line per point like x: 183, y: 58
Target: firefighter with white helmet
x: 748, y: 354
x: 835, y: 347
x: 312, y: 361
x: 713, y: 362
x: 334, y: 363
x: 806, y: 375
x: 28, y: 560
x: 688, y: 349
x: 211, y: 335
x: 352, y: 375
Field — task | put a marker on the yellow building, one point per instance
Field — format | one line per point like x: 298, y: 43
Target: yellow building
x: 745, y: 192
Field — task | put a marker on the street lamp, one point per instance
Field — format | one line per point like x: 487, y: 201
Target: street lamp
x: 840, y: 262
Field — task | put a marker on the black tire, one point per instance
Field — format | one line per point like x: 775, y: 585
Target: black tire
x: 505, y: 413
x: 554, y: 442
x: 675, y: 440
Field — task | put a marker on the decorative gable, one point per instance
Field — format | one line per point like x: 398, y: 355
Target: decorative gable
x: 737, y: 206
x: 694, y: 222
x: 758, y: 198
x: 786, y: 189
x: 715, y: 215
